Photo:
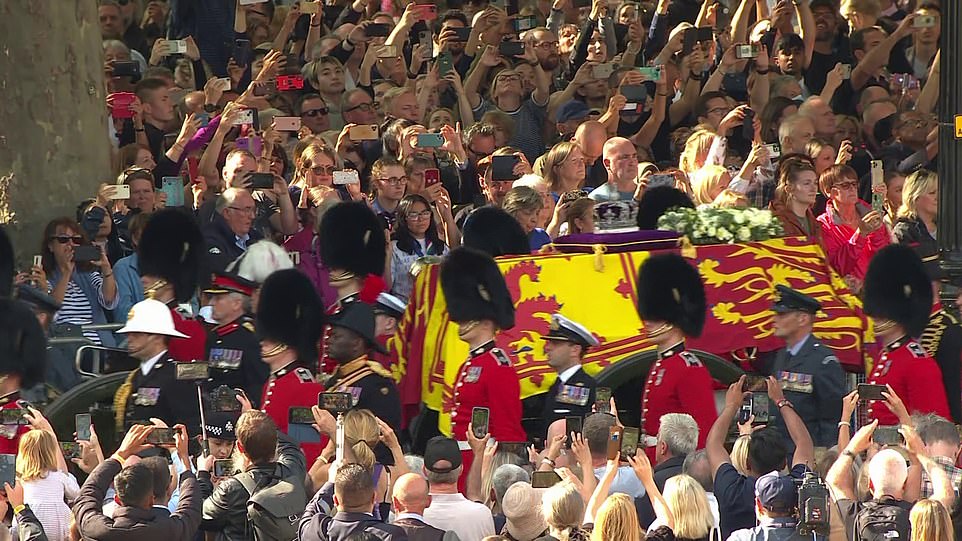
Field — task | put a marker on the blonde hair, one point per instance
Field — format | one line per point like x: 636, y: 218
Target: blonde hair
x: 916, y: 185
x: 361, y: 435
x: 930, y: 521
x: 36, y: 455
x: 311, y: 151
x: 563, y: 508
x: 740, y: 454
x: 689, y: 507
x: 730, y: 199
x: 617, y: 519
x: 707, y: 180
x: 696, y: 150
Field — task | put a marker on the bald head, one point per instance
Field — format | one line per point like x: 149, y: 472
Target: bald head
x: 590, y: 138
x: 411, y: 494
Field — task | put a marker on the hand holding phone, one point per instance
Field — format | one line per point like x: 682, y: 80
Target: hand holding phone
x: 479, y: 421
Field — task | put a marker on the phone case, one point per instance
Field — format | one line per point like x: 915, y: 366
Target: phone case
x: 174, y: 188
x: 287, y: 123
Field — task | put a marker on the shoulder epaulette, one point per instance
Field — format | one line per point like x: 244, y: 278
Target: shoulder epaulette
x: 249, y: 326
x: 691, y: 360
x: 916, y: 350
x: 379, y: 369
x: 223, y: 330
x: 304, y: 375
x: 501, y: 357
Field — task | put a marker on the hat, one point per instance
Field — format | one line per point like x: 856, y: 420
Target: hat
x: 495, y: 232
x: 289, y: 312
x: 567, y: 330
x: 790, y: 42
x: 352, y: 239
x: 389, y: 305
x: 658, y: 200
x: 572, y: 110
x: 791, y: 300
x: 151, y: 317
x: 36, y: 299
x: 357, y: 317
x: 6, y: 264
x: 23, y: 345
x: 474, y: 288
x: 220, y: 425
x: 441, y: 448
x: 671, y: 290
x: 260, y: 260
x: 225, y: 282
x: 776, y: 492
x: 521, y: 506
x: 897, y: 288
x: 170, y: 247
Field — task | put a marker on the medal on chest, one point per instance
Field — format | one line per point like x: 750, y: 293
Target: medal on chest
x: 473, y: 374
x: 225, y: 359
x: 147, y: 396
x: 572, y: 394
x: 793, y: 381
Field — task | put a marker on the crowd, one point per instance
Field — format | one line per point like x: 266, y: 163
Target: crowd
x: 286, y: 169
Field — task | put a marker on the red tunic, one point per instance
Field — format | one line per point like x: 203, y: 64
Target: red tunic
x: 914, y: 376
x: 190, y: 349
x: 488, y: 380
x: 286, y: 388
x: 678, y: 382
x: 10, y: 434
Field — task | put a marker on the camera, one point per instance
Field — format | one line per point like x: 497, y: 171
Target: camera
x: 812, y: 505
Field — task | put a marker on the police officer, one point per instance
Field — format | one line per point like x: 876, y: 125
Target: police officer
x: 219, y: 427
x: 233, y: 351
x: 573, y: 392
x: 168, y: 258
x: 479, y: 302
x: 808, y: 371
x: 942, y: 337
x: 289, y: 319
x: 153, y: 389
x: 898, y: 297
x: 671, y: 304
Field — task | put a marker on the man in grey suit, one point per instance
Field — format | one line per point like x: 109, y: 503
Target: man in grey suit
x: 808, y: 371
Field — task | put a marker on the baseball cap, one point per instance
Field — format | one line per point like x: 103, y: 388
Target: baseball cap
x: 776, y: 492
x: 572, y: 110
x: 440, y: 449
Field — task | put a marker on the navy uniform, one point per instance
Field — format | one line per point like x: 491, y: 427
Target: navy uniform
x: 810, y: 375
x: 942, y: 339
x: 573, y: 392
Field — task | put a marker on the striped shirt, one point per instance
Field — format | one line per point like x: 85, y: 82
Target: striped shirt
x: 77, y: 309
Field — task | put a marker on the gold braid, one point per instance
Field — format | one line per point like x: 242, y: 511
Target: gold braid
x: 120, y: 400
x: 932, y: 335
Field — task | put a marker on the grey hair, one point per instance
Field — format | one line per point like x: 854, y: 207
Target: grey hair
x: 505, y: 476
x: 680, y: 432
x: 698, y: 467
x: 448, y: 478
x: 227, y: 198
x: 415, y: 464
x: 933, y: 429
x: 245, y: 301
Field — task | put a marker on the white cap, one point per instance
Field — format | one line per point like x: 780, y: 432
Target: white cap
x: 151, y: 317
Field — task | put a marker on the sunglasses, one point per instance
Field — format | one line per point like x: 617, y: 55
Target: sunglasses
x: 366, y: 107
x: 315, y: 112
x: 322, y: 169
x: 64, y: 239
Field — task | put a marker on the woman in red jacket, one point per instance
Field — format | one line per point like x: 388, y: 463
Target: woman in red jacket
x: 794, y: 197
x: 853, y: 232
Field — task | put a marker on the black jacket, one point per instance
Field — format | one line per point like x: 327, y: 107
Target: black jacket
x: 160, y: 394
x: 664, y: 471
x: 316, y: 526
x: 417, y: 530
x: 912, y: 231
x: 559, y: 404
x: 221, y: 243
x: 29, y: 526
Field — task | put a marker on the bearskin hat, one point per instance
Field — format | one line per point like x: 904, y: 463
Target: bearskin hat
x: 474, y: 288
x: 23, y: 345
x: 352, y: 239
x: 897, y: 288
x: 494, y: 232
x: 290, y: 312
x: 671, y: 290
x: 656, y: 202
x: 171, y: 247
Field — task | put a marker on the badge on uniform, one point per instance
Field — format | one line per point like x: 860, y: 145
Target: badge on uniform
x: 916, y: 349
x: 147, y: 396
x: 571, y: 394
x: 691, y: 361
x: 225, y: 359
x: 793, y: 381
x: 355, y: 395
x: 473, y: 374
x: 8, y: 431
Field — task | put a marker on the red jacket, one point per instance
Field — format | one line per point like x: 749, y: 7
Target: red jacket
x: 678, y: 383
x: 193, y: 348
x: 914, y: 376
x: 288, y: 387
x: 488, y: 380
x: 849, y: 252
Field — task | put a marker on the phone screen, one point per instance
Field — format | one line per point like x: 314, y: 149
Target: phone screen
x: 223, y: 467
x: 70, y: 449
x: 573, y: 423
x: 544, y: 479
x: 335, y: 402
x: 602, y: 400
x: 301, y: 416
x: 868, y: 391
x: 887, y: 435
x: 614, y: 442
x: 629, y: 442
x: 502, y: 167
x: 760, y: 407
x: 479, y: 421
x: 82, y: 422
x: 161, y: 436
x: 8, y: 469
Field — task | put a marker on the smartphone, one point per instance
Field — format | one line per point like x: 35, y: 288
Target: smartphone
x: 286, y: 83
x: 661, y: 180
x: 71, y: 449
x: 300, y: 416
x: 479, y: 421
x: 174, y: 188
x: 126, y: 69
x: 690, y: 39
x: 261, y: 181
x: 427, y: 12
x: 264, y: 88
x: 748, y: 125
x: 162, y: 436
x: 614, y: 443
x: 364, y: 132
x: 760, y: 407
x: 348, y: 176
x: 774, y: 150
x: 336, y: 403
x: 502, y: 167
x: 462, y: 33
x: 310, y: 8
x: 427, y: 43
x: 887, y: 435
x: 634, y: 93
x: 431, y: 177
x: 745, y: 410
x: 38, y: 261
x: 242, y: 52
x: 120, y: 104
x: 878, y: 179
x: 177, y: 46
x: 846, y: 71
x: 868, y: 391
x: 120, y: 191
x: 755, y: 383
x: 603, y: 399
x: 924, y: 21
x: 519, y: 448
x: 244, y: 117
x: 287, y: 123
x: 225, y: 467
x: 743, y: 52
x: 8, y: 469
x: 629, y: 442
x: 86, y: 253
x: 430, y: 140
x: 651, y: 73
x: 387, y: 51
x: 225, y: 400
x: 524, y: 23
x: 544, y: 479
x: 621, y: 32
x: 377, y: 30
x: 511, y: 48
x: 602, y: 71
x: 445, y: 63
x: 82, y: 423
x: 573, y: 423
x: 192, y: 371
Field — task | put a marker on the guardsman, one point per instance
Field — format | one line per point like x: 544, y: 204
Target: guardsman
x: 153, y: 389
x: 353, y: 248
x: 168, y: 257
x: 289, y: 320
x: 808, y: 371
x: 233, y: 350
x: 671, y: 304
x: 573, y: 392
x: 898, y: 297
x: 942, y: 337
x: 479, y: 302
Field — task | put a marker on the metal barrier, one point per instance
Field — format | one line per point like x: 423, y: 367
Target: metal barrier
x: 73, y: 336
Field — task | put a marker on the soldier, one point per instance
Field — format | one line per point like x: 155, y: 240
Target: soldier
x: 479, y: 302
x: 153, y: 390
x: 573, y: 392
x: 168, y: 257
x: 671, y: 304
x: 289, y: 319
x: 808, y: 371
x: 388, y: 311
x: 233, y: 351
x: 942, y: 338
x: 898, y: 297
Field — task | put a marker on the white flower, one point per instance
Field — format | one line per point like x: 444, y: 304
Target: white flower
x: 744, y: 234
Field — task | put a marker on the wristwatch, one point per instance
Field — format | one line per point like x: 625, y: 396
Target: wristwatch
x: 784, y: 402
x: 209, y: 107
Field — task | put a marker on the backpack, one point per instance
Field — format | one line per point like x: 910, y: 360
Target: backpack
x: 882, y: 520
x: 275, y: 506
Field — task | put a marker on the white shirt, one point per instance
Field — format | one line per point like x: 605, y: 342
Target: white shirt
x: 566, y: 375
x: 472, y: 521
x: 148, y: 365
x: 626, y: 482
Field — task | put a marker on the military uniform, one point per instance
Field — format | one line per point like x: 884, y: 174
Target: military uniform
x: 913, y: 375
x: 814, y: 383
x: 157, y: 394
x: 371, y: 387
x: 190, y: 349
x: 10, y: 434
x: 572, y: 397
x: 234, y: 356
x: 488, y: 380
x: 291, y: 386
x: 942, y: 340
x: 678, y: 382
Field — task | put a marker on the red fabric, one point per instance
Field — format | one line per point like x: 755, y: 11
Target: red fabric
x: 193, y: 348
x: 497, y: 388
x: 915, y: 377
x: 284, y: 392
x: 677, y: 385
x: 847, y: 251
x: 10, y: 446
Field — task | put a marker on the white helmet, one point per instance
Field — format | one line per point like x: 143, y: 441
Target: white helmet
x: 151, y: 317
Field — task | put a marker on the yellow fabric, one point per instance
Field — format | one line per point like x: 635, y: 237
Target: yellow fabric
x: 120, y: 400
